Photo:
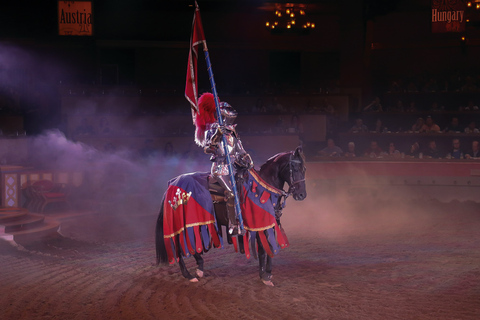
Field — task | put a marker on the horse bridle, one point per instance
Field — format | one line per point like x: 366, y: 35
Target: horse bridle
x: 291, y: 188
x: 293, y: 183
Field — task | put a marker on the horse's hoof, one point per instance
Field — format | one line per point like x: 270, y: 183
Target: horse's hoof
x: 199, y: 273
x: 193, y: 280
x: 268, y: 283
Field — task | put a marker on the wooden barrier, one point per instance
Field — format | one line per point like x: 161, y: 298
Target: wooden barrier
x: 383, y: 179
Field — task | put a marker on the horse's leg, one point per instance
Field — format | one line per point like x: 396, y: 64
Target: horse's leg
x: 199, y: 259
x: 265, y: 264
x: 183, y: 267
x: 268, y: 267
x: 184, y: 270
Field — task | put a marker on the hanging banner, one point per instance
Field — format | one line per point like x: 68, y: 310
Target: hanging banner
x: 448, y: 16
x: 75, y: 18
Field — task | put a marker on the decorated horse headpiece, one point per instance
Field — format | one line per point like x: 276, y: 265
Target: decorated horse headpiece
x: 205, y: 116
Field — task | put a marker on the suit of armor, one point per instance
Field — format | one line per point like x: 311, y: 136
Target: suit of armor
x: 240, y: 159
x: 238, y: 156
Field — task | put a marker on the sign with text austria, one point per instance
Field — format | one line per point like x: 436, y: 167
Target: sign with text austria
x: 75, y: 18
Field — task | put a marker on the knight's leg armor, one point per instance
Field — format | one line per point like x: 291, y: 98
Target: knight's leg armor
x: 229, y: 198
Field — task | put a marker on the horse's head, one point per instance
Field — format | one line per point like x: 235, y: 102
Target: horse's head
x: 296, y: 172
x: 287, y: 167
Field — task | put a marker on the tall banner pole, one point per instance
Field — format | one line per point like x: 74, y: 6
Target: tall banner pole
x: 238, y: 211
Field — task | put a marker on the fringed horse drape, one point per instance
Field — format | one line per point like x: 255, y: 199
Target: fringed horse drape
x: 191, y: 226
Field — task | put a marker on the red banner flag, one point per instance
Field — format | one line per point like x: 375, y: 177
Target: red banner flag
x: 197, y: 38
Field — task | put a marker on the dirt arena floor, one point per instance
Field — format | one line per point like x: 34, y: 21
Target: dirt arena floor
x: 361, y: 260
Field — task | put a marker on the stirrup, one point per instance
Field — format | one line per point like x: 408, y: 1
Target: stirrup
x: 236, y: 230
x: 228, y: 195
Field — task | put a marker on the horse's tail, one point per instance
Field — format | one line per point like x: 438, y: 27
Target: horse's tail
x: 159, y: 240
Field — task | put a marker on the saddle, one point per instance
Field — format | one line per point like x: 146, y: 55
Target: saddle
x: 219, y: 199
x: 217, y: 192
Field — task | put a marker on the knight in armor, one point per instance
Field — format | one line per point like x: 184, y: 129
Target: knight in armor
x: 209, y: 135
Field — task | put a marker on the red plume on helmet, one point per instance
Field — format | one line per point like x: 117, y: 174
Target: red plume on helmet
x: 204, y: 117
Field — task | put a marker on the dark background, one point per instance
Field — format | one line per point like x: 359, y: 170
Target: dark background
x: 356, y: 46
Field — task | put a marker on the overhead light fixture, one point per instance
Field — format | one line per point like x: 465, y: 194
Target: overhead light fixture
x: 290, y: 17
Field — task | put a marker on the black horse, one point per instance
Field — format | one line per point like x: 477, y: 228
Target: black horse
x: 288, y: 167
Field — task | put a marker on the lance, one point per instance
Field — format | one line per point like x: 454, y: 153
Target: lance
x: 238, y: 211
x: 199, y: 37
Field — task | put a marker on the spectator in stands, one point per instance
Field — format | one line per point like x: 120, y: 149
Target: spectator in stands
x: 431, y: 151
x: 259, y: 106
x: 277, y: 107
x: 418, y: 125
x: 469, y: 84
x: 398, y: 107
x: 280, y: 125
x: 430, y: 126
x: 395, y: 86
x: 411, y: 107
x: 473, y: 153
x: 436, y: 108
x: 331, y: 150
x: 392, y: 151
x: 374, y: 151
x: 374, y: 106
x: 412, y: 87
x: 296, y: 125
x: 471, y: 106
x: 471, y: 128
x: 414, y: 150
x: 431, y: 85
x: 379, y: 128
x: 326, y: 107
x: 351, y: 152
x: 456, y: 151
x: 453, y: 127
x: 358, y: 127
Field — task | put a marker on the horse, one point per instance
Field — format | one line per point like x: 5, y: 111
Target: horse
x: 197, y: 213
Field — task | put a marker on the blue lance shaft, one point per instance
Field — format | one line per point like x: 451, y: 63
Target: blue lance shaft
x: 238, y: 212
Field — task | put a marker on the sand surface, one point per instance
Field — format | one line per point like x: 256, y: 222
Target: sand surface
x: 370, y: 260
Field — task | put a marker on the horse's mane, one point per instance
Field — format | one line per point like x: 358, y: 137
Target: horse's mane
x: 276, y: 157
x: 272, y: 159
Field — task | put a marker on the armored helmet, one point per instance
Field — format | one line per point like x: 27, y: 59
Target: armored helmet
x: 228, y: 113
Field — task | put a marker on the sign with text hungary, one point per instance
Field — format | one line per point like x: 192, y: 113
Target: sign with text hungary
x: 75, y: 18
x: 448, y: 16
